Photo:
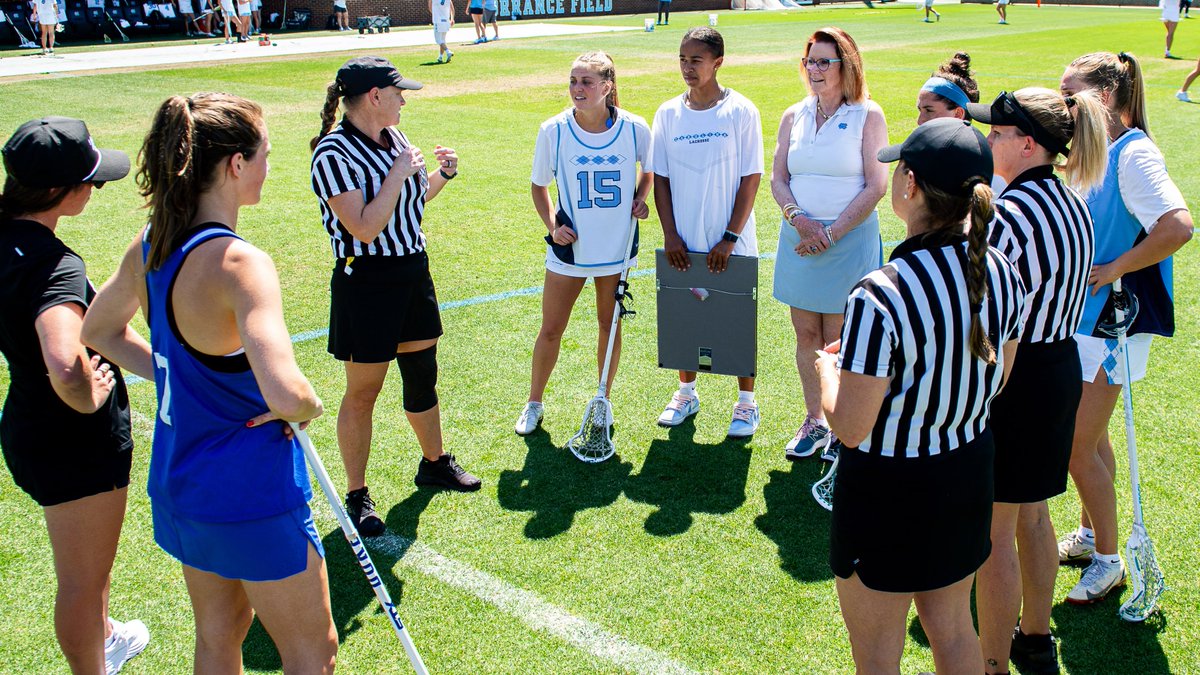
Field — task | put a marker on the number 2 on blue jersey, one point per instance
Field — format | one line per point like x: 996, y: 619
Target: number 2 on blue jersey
x: 605, y: 185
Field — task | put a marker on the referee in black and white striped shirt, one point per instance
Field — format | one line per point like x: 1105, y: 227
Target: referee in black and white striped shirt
x: 373, y: 187
x: 1044, y: 228
x: 926, y: 344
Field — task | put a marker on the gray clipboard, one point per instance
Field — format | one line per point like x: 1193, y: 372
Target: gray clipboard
x: 718, y: 334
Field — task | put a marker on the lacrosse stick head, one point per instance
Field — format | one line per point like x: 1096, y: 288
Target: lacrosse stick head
x: 1146, y: 577
x: 107, y: 40
x: 822, y: 490
x: 593, y: 442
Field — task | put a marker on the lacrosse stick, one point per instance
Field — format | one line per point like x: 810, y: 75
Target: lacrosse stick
x: 25, y: 43
x: 124, y: 37
x: 822, y: 490
x: 593, y: 442
x: 1147, y: 577
x: 196, y: 19
x: 360, y: 551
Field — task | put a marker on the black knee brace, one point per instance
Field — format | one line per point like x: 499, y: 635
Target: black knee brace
x: 418, y: 372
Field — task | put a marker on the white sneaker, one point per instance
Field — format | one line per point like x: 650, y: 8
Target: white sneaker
x: 1099, y: 579
x: 679, y: 409
x: 1183, y: 96
x: 128, y: 640
x: 530, y: 418
x: 1075, y: 549
x: 745, y: 420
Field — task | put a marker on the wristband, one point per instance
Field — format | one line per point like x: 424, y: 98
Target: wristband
x: 447, y: 176
x: 730, y: 236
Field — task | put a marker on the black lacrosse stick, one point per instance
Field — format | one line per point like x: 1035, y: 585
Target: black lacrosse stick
x: 622, y: 294
x: 1123, y: 301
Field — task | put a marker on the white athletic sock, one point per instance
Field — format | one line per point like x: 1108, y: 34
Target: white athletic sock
x: 746, y: 397
x: 1087, y: 533
x: 1107, y: 559
x: 687, y: 388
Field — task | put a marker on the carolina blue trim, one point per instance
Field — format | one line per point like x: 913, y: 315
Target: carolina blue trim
x: 592, y: 147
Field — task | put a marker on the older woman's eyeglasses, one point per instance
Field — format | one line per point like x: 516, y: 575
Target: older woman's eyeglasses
x: 821, y: 65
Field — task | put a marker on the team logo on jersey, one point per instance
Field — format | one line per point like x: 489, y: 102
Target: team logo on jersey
x: 597, y: 160
x: 700, y: 138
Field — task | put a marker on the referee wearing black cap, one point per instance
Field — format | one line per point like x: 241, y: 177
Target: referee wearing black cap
x: 1043, y: 226
x: 927, y: 342
x: 65, y: 426
x: 373, y: 186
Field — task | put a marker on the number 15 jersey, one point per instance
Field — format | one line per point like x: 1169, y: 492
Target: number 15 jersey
x: 596, y: 176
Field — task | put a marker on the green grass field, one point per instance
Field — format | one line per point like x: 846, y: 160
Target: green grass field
x: 709, y: 552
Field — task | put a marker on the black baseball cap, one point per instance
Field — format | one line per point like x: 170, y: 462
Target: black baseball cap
x: 947, y: 153
x: 59, y: 152
x: 364, y: 73
x: 1006, y: 110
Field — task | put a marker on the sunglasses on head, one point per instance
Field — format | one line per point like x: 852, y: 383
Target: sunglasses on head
x: 1007, y: 108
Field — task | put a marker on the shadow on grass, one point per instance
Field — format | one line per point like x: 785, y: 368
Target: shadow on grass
x: 1093, y: 639
x: 555, y: 486
x: 349, y: 594
x: 796, y: 523
x: 682, y: 477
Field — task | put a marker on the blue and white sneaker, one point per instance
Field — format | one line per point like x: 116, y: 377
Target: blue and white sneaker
x: 679, y: 409
x: 745, y: 420
x: 810, y: 437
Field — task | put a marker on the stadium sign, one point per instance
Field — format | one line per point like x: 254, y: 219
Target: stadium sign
x: 554, y: 7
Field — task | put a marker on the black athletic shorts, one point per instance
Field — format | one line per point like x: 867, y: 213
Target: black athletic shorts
x: 377, y: 302
x: 1033, y: 422
x: 55, y: 474
x: 475, y: 10
x: 912, y: 525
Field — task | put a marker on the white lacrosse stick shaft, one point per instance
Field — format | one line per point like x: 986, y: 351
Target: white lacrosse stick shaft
x: 612, y: 333
x: 360, y: 551
x: 1127, y: 393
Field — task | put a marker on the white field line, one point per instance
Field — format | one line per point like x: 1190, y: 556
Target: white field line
x: 529, y: 608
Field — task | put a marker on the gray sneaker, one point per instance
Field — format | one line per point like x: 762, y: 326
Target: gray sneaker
x: 530, y: 418
x: 1099, y: 579
x: 128, y: 640
x: 1075, y: 549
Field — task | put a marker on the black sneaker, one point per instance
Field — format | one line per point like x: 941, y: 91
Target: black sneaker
x: 361, y: 509
x: 445, y: 473
x: 1034, y: 654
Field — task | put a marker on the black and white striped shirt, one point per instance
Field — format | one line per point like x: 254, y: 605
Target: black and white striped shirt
x: 346, y: 159
x: 909, y: 321
x: 1044, y: 227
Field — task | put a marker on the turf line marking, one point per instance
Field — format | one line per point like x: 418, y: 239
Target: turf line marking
x: 529, y: 608
x: 318, y: 333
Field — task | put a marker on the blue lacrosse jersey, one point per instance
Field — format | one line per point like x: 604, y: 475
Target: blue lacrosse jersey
x: 206, y: 465
x: 1117, y: 231
x: 596, y: 176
